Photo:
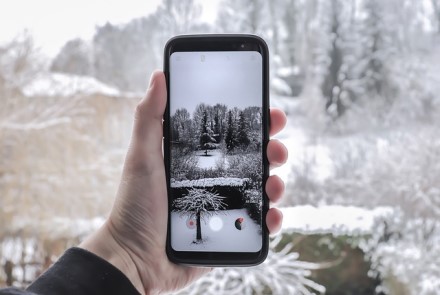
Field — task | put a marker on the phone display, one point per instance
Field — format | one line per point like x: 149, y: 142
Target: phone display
x: 216, y: 135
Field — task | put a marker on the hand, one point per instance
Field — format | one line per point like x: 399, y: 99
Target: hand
x: 134, y: 236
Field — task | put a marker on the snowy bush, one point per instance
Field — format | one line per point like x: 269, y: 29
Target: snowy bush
x: 183, y: 164
x: 397, y: 167
x: 20, y: 62
x: 253, y: 204
x: 246, y: 166
x: 404, y: 252
x: 281, y: 273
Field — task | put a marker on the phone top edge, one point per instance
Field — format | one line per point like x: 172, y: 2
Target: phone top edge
x: 206, y: 39
x: 217, y: 36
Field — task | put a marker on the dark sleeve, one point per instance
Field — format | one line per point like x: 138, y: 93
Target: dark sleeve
x: 79, y: 272
x: 14, y: 291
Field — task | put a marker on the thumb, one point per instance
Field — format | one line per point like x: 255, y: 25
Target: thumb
x: 146, y: 141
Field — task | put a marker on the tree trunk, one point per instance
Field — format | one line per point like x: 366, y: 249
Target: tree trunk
x: 9, y: 268
x: 199, y: 227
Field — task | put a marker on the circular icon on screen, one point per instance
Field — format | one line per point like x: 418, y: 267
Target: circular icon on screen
x: 216, y: 223
x: 239, y: 223
x: 191, y: 223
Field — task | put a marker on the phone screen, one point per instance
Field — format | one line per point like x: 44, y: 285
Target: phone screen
x: 216, y: 151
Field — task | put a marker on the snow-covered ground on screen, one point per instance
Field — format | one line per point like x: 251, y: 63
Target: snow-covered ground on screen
x: 58, y: 84
x: 211, y: 160
x: 337, y: 220
x: 218, y: 233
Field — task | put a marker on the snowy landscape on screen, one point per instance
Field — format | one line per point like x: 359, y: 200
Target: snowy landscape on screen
x: 216, y: 177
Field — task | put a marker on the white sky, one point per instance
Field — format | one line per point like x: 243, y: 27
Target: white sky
x: 231, y: 78
x: 53, y: 22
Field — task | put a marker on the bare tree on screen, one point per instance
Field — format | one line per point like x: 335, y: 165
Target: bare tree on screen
x: 199, y: 204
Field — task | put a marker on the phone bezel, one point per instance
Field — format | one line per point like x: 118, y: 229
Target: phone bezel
x: 219, y: 43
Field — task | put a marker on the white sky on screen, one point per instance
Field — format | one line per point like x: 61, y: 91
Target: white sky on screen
x: 231, y: 78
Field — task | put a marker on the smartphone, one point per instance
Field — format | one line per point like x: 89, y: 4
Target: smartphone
x: 215, y: 138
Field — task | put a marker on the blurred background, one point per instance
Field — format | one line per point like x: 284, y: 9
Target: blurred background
x: 358, y: 79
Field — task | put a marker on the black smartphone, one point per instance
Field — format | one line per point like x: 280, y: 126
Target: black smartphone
x: 215, y: 137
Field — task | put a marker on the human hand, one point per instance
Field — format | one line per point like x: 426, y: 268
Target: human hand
x: 134, y: 236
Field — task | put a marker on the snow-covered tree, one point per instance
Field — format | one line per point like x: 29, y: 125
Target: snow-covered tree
x: 20, y: 62
x: 242, y: 16
x: 182, y: 129
x: 243, y: 131
x: 199, y: 204
x: 206, y: 132
x: 230, y: 138
x: 174, y: 17
x: 220, y: 113
x: 290, y: 22
x: 333, y: 86
x: 123, y: 54
x: 74, y: 58
x: 178, y: 16
x: 436, y: 12
x: 378, y: 46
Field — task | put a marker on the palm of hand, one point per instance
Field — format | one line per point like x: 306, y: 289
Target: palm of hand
x: 134, y: 236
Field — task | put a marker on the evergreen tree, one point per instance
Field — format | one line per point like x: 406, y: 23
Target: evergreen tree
x: 74, y: 58
x: 377, y: 45
x: 206, y: 139
x: 220, y: 114
x: 332, y: 86
x: 204, y: 127
x: 290, y: 20
x: 243, y: 131
x: 230, y: 139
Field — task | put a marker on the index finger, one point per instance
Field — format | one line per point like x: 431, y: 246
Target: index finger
x: 277, y: 121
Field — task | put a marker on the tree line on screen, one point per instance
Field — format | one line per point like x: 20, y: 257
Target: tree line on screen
x: 212, y: 127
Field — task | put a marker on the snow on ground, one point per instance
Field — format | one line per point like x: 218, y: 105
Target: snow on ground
x: 219, y: 233
x: 338, y: 220
x: 57, y: 84
x: 211, y: 160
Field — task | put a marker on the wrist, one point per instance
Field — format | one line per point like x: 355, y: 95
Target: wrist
x: 103, y: 244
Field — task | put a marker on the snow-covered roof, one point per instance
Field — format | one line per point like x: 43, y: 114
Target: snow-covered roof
x: 57, y: 84
x: 210, y: 182
x: 337, y: 220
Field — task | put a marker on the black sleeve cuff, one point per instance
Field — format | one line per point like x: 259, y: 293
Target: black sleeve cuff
x: 80, y: 272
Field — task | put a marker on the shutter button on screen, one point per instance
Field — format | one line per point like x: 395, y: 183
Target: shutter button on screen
x: 215, y: 223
